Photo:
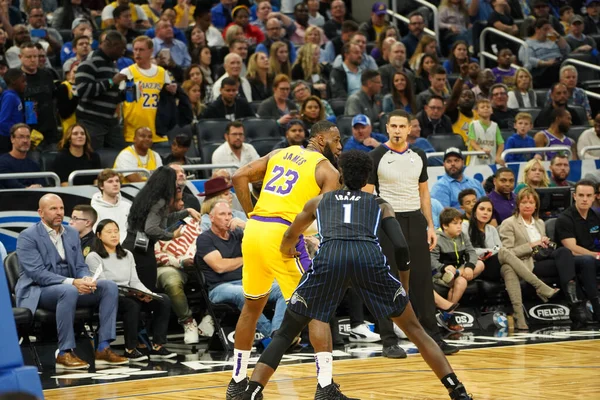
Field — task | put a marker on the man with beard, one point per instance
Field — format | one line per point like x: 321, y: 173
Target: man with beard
x: 305, y: 173
x: 502, y: 197
x: 460, y: 105
x: 559, y: 94
x: 555, y: 135
x: 447, y: 188
x: 397, y: 60
x: 502, y: 115
x: 234, y: 150
x: 432, y: 118
x: 295, y: 135
x: 275, y: 34
x: 559, y: 171
x: 346, y: 80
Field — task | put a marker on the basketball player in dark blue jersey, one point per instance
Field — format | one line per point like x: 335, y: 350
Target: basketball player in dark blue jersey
x: 349, y: 255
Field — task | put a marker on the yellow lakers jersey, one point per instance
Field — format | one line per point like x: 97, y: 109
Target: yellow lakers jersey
x: 71, y: 120
x: 461, y: 126
x: 142, y: 112
x: 289, y: 183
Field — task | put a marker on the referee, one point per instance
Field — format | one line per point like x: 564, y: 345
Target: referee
x: 400, y: 177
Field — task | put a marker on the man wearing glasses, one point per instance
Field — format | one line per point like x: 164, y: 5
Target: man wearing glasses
x: 234, y: 150
x: 416, y: 26
x: 17, y: 161
x: 433, y: 121
x: 502, y: 115
x: 83, y: 219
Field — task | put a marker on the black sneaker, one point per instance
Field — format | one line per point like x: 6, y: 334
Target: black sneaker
x: 394, y: 351
x: 460, y: 393
x: 448, y: 349
x: 235, y: 390
x: 161, y: 353
x: 134, y: 355
x: 331, y: 392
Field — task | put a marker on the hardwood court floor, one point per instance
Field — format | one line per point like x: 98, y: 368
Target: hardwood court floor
x: 565, y: 370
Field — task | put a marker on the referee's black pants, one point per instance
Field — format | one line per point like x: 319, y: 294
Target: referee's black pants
x: 414, y: 228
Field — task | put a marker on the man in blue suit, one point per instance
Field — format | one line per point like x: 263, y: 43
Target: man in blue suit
x: 55, y: 277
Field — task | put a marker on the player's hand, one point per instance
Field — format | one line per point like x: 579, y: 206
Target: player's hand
x: 289, y: 251
x: 431, y: 238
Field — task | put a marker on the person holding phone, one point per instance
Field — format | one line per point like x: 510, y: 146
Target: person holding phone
x: 118, y: 265
x: 279, y: 105
x: 40, y: 32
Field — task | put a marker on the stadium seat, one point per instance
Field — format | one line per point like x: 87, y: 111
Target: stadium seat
x: 541, y: 95
x: 47, y: 160
x: 264, y: 145
x: 550, y: 227
x: 383, y: 120
x: 262, y: 128
x: 344, y: 124
x: 218, y: 54
x: 506, y: 133
x: 107, y: 157
x: 66, y: 35
x: 338, y: 106
x: 534, y: 112
x: 206, y: 151
x: 584, y: 73
x: 254, y: 106
x: 582, y: 115
x: 576, y: 131
x: 211, y: 130
x: 442, y: 142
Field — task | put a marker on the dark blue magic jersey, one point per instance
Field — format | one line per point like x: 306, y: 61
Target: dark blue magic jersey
x: 348, y: 215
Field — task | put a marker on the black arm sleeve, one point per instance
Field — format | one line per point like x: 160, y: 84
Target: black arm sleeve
x: 392, y: 229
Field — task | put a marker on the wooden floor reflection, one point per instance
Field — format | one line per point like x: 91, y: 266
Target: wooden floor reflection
x: 565, y: 370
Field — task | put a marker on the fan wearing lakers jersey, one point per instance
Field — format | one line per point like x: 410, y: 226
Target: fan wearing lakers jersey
x: 290, y: 177
x: 148, y: 80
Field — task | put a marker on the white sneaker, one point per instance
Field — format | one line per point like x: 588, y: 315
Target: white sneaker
x: 363, y: 334
x: 190, y: 332
x: 399, y: 332
x: 207, y: 326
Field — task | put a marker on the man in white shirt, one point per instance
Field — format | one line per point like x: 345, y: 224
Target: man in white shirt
x: 590, y: 137
x: 233, y: 68
x: 138, y: 155
x: 234, y: 150
x: 109, y: 203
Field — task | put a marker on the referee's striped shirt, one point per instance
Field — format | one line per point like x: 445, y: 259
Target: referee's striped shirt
x: 98, y: 101
x: 396, y: 176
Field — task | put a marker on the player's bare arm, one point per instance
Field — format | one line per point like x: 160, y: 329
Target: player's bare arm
x: 300, y: 224
x: 328, y: 178
x: 252, y: 172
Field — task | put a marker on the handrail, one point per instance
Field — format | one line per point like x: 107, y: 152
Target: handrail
x: 464, y: 153
x: 483, y: 53
x: 407, y: 21
x: 23, y: 175
x: 553, y: 149
x: 436, y: 20
x: 587, y: 149
x: 86, y: 172
x: 584, y: 64
x: 197, y: 167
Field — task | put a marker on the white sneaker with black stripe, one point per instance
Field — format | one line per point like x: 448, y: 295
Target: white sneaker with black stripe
x: 362, y: 334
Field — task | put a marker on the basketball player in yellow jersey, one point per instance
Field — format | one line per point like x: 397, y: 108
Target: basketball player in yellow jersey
x: 290, y: 177
x: 149, y: 80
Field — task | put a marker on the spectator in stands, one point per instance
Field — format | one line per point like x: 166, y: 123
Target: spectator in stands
x: 64, y: 18
x: 579, y: 42
x: 520, y: 139
x: 312, y: 111
x: 16, y: 160
x: 279, y: 62
x: 592, y: 20
x: 484, y: 135
x: 447, y: 188
x: 544, y: 55
x: 190, y: 200
x: 363, y: 138
x: 383, y: 47
x: 432, y: 118
x: 97, y: 82
x: 459, y: 55
x: 80, y: 51
x: 237, y: 46
x: 194, y: 93
x: 233, y: 69
x: 566, y: 14
x: 315, y: 35
x: 301, y: 92
x: 153, y: 10
x: 427, y: 45
x: 367, y: 100
x: 234, y: 150
x: 502, y: 115
x: 80, y: 28
x: 264, y: 12
x: 467, y: 199
x: 279, y: 106
x: 502, y: 20
x: 376, y: 24
x: 590, y: 137
x: 459, y: 106
x: 485, y: 81
x: 308, y: 68
x: 108, y: 203
x: 20, y: 36
x: 170, y: 16
x: 75, y: 153
x: 221, y: 13
x: 228, y: 105
x: 576, y: 96
x: 51, y: 40
x: 315, y: 18
x: 55, y: 277
x: 454, y: 24
x: 252, y: 33
x: 295, y: 135
x: 183, y: 11
x: 218, y: 189
x: 83, y: 219
x: 137, y: 14
x: 429, y: 62
x: 556, y: 134
x: 195, y: 40
x: 559, y: 171
x: 301, y: 24
x: 39, y: 94
x: 275, y: 33
x: 505, y: 72
x: 179, y: 148
x: 401, y: 96
x: 416, y: 27
x: 138, y: 155
x: 261, y: 81
x: 11, y: 106
x: 522, y: 96
x: 345, y: 80
x: 195, y: 74
x: 534, y: 176
x: 44, y: 63
x: 523, y: 232
x: 415, y: 140
x: 334, y: 47
x: 123, y: 24
x: 204, y: 61
x: 577, y: 230
x: 333, y: 27
x: 165, y: 40
x: 118, y: 265
x: 503, y: 197
x: 501, y: 262
x: 367, y: 62
x: 203, y: 19
x: 437, y: 77
x: 219, y: 256
x: 397, y: 63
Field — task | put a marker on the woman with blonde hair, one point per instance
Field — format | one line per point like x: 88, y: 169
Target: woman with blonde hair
x: 279, y: 59
x: 307, y: 67
x: 219, y: 189
x: 261, y: 81
x: 523, y: 95
x: 233, y: 32
x: 534, y: 176
x: 427, y: 45
x: 74, y: 153
x: 315, y: 35
x: 194, y: 92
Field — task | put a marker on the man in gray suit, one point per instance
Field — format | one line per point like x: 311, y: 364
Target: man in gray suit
x: 55, y: 277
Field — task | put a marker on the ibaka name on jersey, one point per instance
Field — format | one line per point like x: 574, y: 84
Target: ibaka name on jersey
x: 347, y: 197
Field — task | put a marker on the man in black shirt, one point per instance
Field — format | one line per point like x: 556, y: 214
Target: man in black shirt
x: 228, y: 105
x: 17, y: 161
x: 578, y: 229
x: 83, y: 219
x: 559, y: 95
x: 502, y: 115
x: 433, y: 120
